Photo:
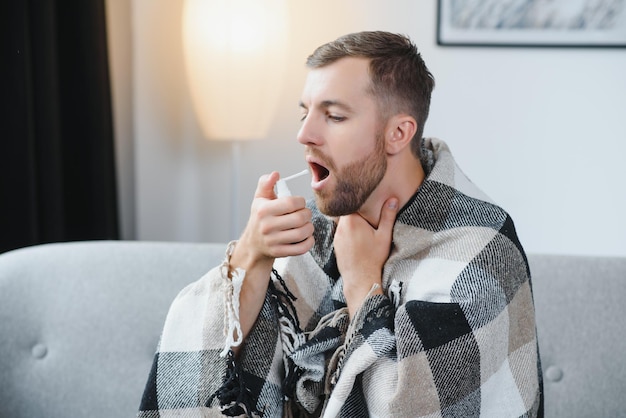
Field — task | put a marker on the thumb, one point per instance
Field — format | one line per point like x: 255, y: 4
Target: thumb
x: 265, y: 186
x: 388, y: 215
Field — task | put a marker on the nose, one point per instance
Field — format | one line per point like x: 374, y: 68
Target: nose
x: 309, y: 133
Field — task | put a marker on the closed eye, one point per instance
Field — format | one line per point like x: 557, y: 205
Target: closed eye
x: 336, y: 118
x: 304, y: 111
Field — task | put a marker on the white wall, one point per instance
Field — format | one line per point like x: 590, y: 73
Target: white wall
x: 539, y: 129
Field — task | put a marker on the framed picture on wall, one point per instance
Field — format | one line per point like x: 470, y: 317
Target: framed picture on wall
x: 548, y: 23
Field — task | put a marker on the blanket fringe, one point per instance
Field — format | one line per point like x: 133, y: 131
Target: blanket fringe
x: 232, y: 326
x: 292, y: 335
x: 233, y: 396
x: 395, y: 292
x: 232, y: 281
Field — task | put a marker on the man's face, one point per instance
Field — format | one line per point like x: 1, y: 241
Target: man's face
x: 342, y: 135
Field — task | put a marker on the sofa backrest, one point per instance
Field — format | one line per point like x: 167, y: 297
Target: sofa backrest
x: 79, y: 324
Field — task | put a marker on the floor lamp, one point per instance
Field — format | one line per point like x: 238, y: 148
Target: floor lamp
x: 235, y: 56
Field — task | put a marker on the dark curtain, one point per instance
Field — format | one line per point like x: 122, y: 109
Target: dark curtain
x: 57, y: 168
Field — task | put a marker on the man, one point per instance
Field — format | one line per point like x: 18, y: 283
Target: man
x: 400, y: 292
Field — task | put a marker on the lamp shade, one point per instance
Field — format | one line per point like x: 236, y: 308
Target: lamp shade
x: 235, y: 56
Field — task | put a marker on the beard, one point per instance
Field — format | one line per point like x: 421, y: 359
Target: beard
x: 355, y: 182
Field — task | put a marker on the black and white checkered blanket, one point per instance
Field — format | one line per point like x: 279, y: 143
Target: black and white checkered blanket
x: 453, y: 336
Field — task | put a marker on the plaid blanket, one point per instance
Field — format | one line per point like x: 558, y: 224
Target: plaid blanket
x: 453, y: 336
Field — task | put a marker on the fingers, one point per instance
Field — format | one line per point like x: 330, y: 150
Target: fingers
x: 284, y: 235
x: 277, y: 227
x: 293, y: 248
x: 283, y: 216
x: 265, y: 186
x: 388, y: 215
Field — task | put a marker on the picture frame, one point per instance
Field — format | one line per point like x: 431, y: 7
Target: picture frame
x: 532, y: 23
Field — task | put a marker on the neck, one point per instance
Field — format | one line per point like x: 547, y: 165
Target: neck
x: 403, y: 177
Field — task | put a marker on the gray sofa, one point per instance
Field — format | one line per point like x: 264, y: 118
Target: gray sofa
x: 79, y: 323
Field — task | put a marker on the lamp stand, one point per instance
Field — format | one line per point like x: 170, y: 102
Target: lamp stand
x: 234, y: 195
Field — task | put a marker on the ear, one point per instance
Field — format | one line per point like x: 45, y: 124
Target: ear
x: 399, y: 132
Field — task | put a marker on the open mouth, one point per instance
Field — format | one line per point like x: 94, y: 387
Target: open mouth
x: 320, y: 172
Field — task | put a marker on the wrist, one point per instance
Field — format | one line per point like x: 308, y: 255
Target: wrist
x: 245, y: 255
x: 356, y: 295
x: 257, y: 268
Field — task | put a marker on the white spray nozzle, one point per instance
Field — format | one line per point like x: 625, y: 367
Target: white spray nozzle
x: 281, y: 186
